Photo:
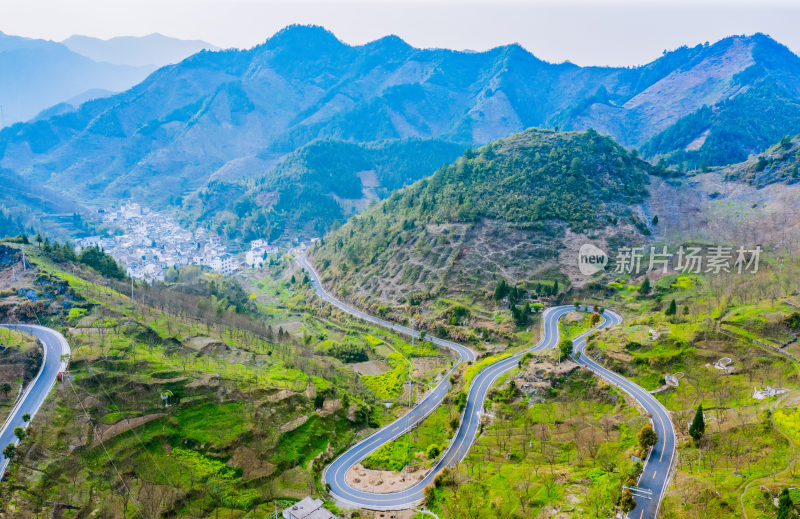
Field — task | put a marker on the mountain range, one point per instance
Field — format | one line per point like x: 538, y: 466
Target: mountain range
x: 38, y: 74
x: 233, y: 115
x: 42, y: 77
x: 155, y: 50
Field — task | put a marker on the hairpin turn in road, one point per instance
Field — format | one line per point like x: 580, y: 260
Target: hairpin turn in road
x: 655, y: 475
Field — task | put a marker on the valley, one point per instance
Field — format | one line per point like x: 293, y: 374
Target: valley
x: 320, y: 278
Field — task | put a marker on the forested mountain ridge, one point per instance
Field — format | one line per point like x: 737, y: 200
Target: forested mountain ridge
x: 312, y: 188
x: 234, y: 114
x: 759, y: 106
x: 502, y: 211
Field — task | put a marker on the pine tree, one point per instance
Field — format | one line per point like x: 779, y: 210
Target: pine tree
x: 785, y: 505
x: 645, y: 288
x: 501, y: 290
x: 673, y: 308
x: 698, y: 427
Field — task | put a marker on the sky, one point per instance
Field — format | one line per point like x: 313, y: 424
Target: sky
x: 585, y: 32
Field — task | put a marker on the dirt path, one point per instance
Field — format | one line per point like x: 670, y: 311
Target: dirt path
x: 382, y: 481
x: 104, y: 433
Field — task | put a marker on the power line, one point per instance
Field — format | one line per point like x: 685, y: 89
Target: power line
x: 125, y: 485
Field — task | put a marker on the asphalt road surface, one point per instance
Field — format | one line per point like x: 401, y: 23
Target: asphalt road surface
x: 656, y: 470
x: 653, y: 481
x: 55, y: 345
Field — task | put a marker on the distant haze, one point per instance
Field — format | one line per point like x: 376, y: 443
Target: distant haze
x: 153, y: 49
x: 586, y: 32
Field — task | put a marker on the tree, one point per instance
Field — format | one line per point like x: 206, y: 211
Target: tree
x: 672, y: 309
x: 521, y: 315
x: 645, y: 288
x: 785, y: 505
x: 647, y: 437
x: 626, y: 502
x: 39, y: 240
x: 10, y: 451
x: 26, y: 418
x: 565, y: 348
x: 698, y: 427
x: 433, y: 452
x: 595, y: 319
x: 501, y: 290
x: 19, y: 432
x: 5, y: 387
x: 577, y: 305
x: 655, y: 219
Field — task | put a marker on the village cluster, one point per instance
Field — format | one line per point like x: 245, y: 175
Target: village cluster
x: 151, y: 242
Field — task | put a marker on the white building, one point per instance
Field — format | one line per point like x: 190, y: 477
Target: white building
x: 256, y: 256
x: 308, y: 508
x: 222, y: 264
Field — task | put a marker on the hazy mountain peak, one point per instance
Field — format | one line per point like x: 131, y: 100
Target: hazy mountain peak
x: 391, y: 43
x: 304, y: 37
x: 153, y: 49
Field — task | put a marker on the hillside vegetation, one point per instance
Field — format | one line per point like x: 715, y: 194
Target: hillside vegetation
x: 498, y: 212
x: 314, y: 187
x: 779, y: 163
x: 234, y: 114
x: 194, y: 398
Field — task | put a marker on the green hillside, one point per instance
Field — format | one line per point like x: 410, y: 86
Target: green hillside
x: 321, y: 183
x: 779, y: 163
x: 498, y: 212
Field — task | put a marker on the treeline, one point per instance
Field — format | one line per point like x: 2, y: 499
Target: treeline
x: 521, y: 314
x: 93, y: 257
x: 11, y: 226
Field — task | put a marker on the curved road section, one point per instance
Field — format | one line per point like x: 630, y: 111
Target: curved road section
x: 655, y: 475
x: 55, y: 359
x: 648, y: 494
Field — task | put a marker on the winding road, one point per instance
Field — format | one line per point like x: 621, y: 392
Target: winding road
x: 55, y: 359
x: 654, y: 477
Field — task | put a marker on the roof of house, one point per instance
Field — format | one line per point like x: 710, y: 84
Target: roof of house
x: 309, y: 508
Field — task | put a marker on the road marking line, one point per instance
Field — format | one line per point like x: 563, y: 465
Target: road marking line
x: 654, y: 474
